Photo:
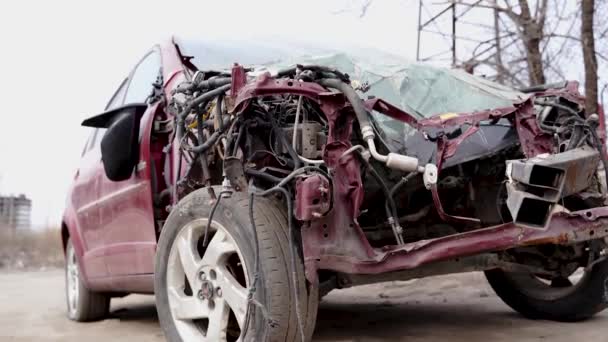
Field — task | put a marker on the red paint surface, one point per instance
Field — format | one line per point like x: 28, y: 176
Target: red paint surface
x: 330, y: 254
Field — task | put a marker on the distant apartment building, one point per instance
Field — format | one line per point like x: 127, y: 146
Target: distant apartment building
x: 15, y: 211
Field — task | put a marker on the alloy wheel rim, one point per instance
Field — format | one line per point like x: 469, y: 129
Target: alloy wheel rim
x: 72, y: 278
x: 207, y: 286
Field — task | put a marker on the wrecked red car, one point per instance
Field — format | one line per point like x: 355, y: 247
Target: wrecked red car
x: 241, y: 183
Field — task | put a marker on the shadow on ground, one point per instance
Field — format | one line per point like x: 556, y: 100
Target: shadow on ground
x: 388, y: 322
x: 145, y: 313
x: 409, y: 321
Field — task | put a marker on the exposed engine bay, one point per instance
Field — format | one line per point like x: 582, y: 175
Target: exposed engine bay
x: 362, y: 200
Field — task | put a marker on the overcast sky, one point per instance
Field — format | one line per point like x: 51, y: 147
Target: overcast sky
x: 61, y: 61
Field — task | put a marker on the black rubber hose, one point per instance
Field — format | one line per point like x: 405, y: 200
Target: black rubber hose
x: 205, y: 97
x: 202, y: 156
x: 263, y: 175
x: 576, y: 137
x: 401, y: 183
x: 543, y: 87
x: 214, y: 83
x: 199, y: 129
x: 318, y: 68
x: 391, y: 208
x: 217, y: 202
x: 238, y: 139
x: 208, y: 84
x: 287, y: 72
x: 557, y: 105
x: 194, y: 103
x: 281, y: 137
x: 353, y: 98
x: 391, y: 194
x: 294, y: 173
x: 210, y: 142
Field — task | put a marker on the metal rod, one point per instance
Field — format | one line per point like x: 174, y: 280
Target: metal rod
x: 436, y: 16
x: 454, y: 34
x: 419, y: 30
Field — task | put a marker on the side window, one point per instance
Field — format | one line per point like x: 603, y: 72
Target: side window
x: 90, y: 139
x: 94, y: 139
x: 118, y: 97
x: 144, y: 76
x: 99, y: 133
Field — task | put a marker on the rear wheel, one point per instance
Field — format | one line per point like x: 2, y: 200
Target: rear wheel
x: 202, y: 291
x: 567, y: 299
x: 83, y: 304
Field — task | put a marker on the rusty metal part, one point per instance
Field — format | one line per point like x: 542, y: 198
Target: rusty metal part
x: 536, y: 184
x: 233, y: 169
x: 353, y: 254
x: 547, y: 181
x: 579, y: 164
x: 239, y: 79
x: 481, y: 262
x: 313, y: 197
x: 309, y: 139
x: 265, y: 84
x: 575, y: 168
x: 528, y: 209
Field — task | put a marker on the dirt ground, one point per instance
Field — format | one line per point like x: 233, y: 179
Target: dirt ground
x: 458, y: 308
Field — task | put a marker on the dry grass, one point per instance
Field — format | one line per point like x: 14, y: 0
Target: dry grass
x: 26, y: 249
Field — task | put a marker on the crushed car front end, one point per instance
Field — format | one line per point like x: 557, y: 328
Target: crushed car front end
x: 396, y: 170
x: 434, y: 164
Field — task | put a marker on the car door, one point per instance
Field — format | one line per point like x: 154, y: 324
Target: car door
x: 84, y: 196
x: 126, y: 209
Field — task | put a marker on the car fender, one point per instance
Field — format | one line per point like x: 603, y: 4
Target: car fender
x: 70, y: 229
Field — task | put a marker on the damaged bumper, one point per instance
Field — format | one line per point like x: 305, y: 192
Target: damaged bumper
x: 563, y: 228
x: 537, y: 185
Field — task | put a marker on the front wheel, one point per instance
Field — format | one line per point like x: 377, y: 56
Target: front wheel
x: 565, y: 299
x: 202, y: 290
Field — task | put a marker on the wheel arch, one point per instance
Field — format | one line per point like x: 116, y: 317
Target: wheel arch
x: 65, y: 235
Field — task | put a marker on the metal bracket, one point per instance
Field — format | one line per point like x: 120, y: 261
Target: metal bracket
x: 430, y: 175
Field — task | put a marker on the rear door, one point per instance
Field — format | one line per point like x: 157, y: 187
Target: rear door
x: 126, y: 209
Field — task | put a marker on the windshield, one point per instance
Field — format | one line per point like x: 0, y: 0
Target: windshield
x: 419, y: 89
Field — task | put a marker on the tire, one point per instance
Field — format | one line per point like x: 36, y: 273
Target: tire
x: 83, y: 305
x: 564, y: 303
x: 230, y: 225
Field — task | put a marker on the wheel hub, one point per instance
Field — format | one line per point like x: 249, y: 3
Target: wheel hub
x: 206, y: 291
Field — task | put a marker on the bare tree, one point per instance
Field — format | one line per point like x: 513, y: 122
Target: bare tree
x: 358, y: 6
x: 589, y: 55
x: 520, y: 32
x: 531, y: 32
x: 534, y: 41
